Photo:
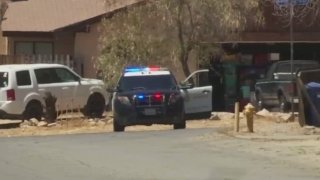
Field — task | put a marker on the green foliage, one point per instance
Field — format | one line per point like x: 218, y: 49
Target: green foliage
x: 3, y: 9
x: 302, y: 14
x: 167, y: 32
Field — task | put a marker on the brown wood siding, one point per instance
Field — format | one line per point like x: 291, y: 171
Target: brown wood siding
x: 3, y: 45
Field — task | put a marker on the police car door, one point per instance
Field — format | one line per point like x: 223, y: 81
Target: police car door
x: 198, y: 99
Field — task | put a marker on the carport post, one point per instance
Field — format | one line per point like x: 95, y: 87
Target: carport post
x: 237, y: 116
x: 291, y: 53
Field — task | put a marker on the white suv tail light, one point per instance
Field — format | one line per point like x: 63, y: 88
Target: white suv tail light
x: 11, y: 95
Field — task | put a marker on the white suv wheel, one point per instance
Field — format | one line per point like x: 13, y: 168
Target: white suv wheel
x: 33, y: 110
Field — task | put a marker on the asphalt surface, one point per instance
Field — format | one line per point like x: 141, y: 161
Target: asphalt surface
x: 182, y: 154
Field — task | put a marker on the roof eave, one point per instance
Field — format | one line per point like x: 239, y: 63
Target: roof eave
x: 8, y: 33
x: 79, y: 26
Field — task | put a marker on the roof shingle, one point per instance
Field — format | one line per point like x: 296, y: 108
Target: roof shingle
x: 51, y: 15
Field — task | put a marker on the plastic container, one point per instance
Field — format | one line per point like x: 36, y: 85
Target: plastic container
x: 313, y: 90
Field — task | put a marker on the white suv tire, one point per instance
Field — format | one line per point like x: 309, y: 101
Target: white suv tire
x: 95, y: 106
x: 33, y: 110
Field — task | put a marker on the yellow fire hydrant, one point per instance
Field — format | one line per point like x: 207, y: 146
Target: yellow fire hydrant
x: 248, y: 112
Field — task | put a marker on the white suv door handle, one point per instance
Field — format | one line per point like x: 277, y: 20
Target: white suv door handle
x: 65, y: 88
x: 205, y: 92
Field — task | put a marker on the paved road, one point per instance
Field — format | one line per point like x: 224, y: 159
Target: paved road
x: 169, y: 154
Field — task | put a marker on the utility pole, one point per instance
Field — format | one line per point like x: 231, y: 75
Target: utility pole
x: 291, y: 16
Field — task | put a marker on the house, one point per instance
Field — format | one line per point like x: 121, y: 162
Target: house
x: 57, y: 29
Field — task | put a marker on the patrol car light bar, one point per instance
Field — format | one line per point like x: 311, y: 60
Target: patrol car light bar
x: 143, y: 69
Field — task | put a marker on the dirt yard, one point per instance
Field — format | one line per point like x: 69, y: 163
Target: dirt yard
x: 74, y: 123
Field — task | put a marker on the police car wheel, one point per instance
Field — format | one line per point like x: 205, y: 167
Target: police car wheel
x: 180, y: 125
x: 117, y: 127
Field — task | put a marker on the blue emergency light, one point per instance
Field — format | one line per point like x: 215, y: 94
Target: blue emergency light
x: 133, y: 69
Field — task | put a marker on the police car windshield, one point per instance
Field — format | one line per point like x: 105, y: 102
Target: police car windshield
x: 154, y: 82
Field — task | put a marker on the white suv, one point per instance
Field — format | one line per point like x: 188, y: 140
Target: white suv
x: 23, y: 89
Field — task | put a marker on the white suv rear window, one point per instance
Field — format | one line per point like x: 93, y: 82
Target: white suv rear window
x: 4, y: 79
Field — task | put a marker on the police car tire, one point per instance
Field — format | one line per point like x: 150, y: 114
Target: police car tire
x: 181, y: 125
x: 117, y: 127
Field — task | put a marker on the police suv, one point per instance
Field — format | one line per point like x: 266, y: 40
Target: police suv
x: 151, y: 95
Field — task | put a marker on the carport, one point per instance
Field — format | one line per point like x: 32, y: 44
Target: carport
x: 246, y: 61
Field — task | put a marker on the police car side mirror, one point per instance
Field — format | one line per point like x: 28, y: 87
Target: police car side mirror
x: 186, y: 85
